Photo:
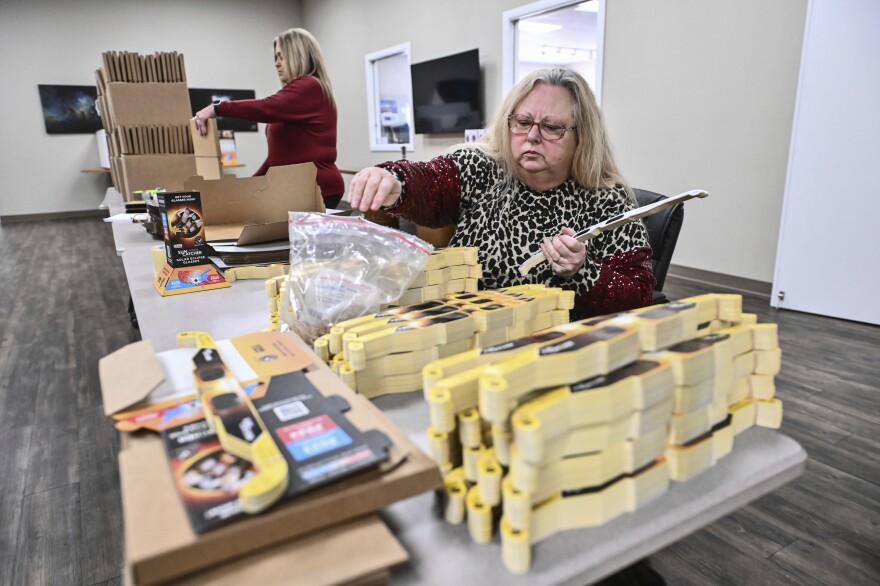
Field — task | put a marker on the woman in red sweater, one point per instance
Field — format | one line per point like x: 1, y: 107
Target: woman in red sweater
x: 300, y: 119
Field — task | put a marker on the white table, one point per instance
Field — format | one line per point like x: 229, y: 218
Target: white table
x: 762, y: 460
x: 241, y: 309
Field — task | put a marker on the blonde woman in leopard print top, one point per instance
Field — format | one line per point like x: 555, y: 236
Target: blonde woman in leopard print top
x: 543, y: 170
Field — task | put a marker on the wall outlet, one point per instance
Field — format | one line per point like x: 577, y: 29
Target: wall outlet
x: 473, y: 134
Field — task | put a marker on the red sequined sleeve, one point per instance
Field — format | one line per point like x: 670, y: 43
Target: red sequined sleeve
x: 625, y: 282
x: 431, y: 191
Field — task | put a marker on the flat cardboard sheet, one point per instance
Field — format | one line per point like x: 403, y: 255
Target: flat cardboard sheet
x: 208, y: 167
x: 208, y: 145
x: 366, y: 545
x: 141, y: 172
x: 143, y: 104
x: 132, y: 365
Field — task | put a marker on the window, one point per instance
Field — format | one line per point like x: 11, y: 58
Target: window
x: 389, y: 99
x: 554, y: 33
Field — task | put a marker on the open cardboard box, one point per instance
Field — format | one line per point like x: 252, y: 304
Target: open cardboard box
x: 254, y: 209
x: 160, y: 543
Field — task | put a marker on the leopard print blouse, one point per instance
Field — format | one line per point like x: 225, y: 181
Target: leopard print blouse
x: 507, y: 225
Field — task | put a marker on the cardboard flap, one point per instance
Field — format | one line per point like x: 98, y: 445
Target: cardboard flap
x: 263, y: 233
x: 250, y: 234
x: 232, y: 201
x: 223, y: 232
x: 208, y: 145
x: 129, y: 375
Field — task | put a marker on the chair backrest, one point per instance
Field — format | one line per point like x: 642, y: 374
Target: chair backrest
x: 663, y: 228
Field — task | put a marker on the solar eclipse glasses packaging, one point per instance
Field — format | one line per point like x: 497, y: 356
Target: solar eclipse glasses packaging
x: 186, y: 263
x: 183, y: 228
x: 316, y: 439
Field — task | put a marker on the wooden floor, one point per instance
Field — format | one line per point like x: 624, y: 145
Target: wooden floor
x: 63, y: 305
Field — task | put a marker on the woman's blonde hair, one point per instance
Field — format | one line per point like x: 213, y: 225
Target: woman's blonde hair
x: 593, y: 165
x: 302, y: 56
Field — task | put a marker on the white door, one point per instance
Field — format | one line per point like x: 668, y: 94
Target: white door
x: 828, y: 258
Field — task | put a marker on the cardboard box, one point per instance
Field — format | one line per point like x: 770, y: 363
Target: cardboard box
x: 254, y: 209
x: 140, y: 172
x: 143, y: 104
x: 160, y: 542
x: 366, y: 545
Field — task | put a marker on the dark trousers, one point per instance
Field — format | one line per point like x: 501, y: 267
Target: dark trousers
x: 331, y: 201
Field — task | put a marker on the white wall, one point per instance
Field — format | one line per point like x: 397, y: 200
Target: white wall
x: 701, y: 94
x: 350, y: 29
x: 696, y: 93
x: 226, y: 44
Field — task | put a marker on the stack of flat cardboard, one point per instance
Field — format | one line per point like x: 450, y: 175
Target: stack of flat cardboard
x: 145, y: 110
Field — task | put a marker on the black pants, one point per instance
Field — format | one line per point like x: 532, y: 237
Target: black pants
x: 331, y: 201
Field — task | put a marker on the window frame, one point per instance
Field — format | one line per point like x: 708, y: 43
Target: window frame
x: 509, y: 41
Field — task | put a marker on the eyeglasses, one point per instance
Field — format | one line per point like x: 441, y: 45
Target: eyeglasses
x: 523, y: 125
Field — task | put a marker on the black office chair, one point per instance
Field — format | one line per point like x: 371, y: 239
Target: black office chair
x: 663, y: 228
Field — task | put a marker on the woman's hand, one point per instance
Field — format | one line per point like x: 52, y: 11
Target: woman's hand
x: 565, y: 254
x: 372, y: 188
x: 201, y: 119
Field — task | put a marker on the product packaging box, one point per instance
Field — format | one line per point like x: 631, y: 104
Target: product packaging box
x: 228, y: 151
x: 311, y: 432
x: 254, y: 209
x: 186, y: 267
x: 183, y: 228
x: 160, y: 542
x: 208, y: 145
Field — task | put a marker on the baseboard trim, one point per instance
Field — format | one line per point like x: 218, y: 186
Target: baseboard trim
x: 721, y: 280
x: 54, y: 216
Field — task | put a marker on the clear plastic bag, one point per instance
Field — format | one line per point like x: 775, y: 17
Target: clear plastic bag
x: 343, y: 267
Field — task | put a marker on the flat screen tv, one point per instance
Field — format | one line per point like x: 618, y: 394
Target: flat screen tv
x: 446, y: 94
x: 201, y: 97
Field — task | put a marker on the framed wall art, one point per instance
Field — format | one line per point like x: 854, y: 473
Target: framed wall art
x: 69, y: 109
